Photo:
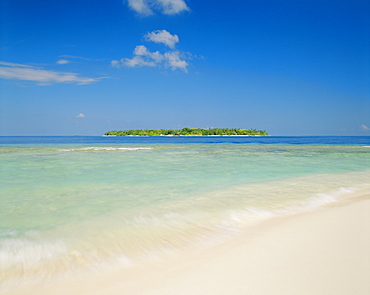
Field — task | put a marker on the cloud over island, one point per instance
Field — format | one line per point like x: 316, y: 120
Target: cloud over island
x: 172, y: 58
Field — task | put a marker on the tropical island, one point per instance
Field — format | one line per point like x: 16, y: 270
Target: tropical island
x: 190, y: 132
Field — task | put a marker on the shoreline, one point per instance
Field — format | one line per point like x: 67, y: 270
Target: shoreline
x: 325, y: 251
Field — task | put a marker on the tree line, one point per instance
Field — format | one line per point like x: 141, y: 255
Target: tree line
x: 189, y: 132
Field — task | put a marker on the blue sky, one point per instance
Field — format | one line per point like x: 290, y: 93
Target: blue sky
x: 86, y: 67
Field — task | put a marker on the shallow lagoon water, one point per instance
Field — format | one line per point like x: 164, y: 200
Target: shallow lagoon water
x: 72, y: 204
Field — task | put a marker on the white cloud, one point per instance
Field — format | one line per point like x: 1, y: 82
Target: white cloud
x: 80, y: 115
x: 10, y: 64
x: 140, y: 6
x: 173, y: 59
x: 172, y: 6
x: 147, y: 7
x: 364, y: 127
x: 115, y: 63
x: 162, y: 36
x: 79, y: 57
x: 141, y: 50
x: 63, y: 62
x: 39, y: 75
x: 143, y: 57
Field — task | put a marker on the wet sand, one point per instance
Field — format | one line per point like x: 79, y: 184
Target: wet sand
x: 322, y: 252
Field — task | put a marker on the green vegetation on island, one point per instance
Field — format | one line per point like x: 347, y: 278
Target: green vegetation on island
x: 190, y: 132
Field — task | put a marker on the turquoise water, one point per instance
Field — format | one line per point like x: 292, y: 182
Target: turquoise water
x: 76, y: 203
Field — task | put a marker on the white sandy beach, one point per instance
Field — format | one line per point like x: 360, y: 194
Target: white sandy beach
x: 322, y: 252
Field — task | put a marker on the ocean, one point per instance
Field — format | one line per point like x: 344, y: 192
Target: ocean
x: 78, y: 204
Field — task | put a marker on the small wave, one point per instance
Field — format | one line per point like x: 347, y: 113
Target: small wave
x: 322, y: 199
x: 252, y: 215
x: 26, y: 253
x: 249, y: 214
x: 105, y: 149
x: 7, y: 233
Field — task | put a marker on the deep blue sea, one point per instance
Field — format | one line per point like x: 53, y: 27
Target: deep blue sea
x: 104, y: 140
x: 76, y: 203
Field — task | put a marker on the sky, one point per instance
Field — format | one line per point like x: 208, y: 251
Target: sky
x: 290, y: 67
